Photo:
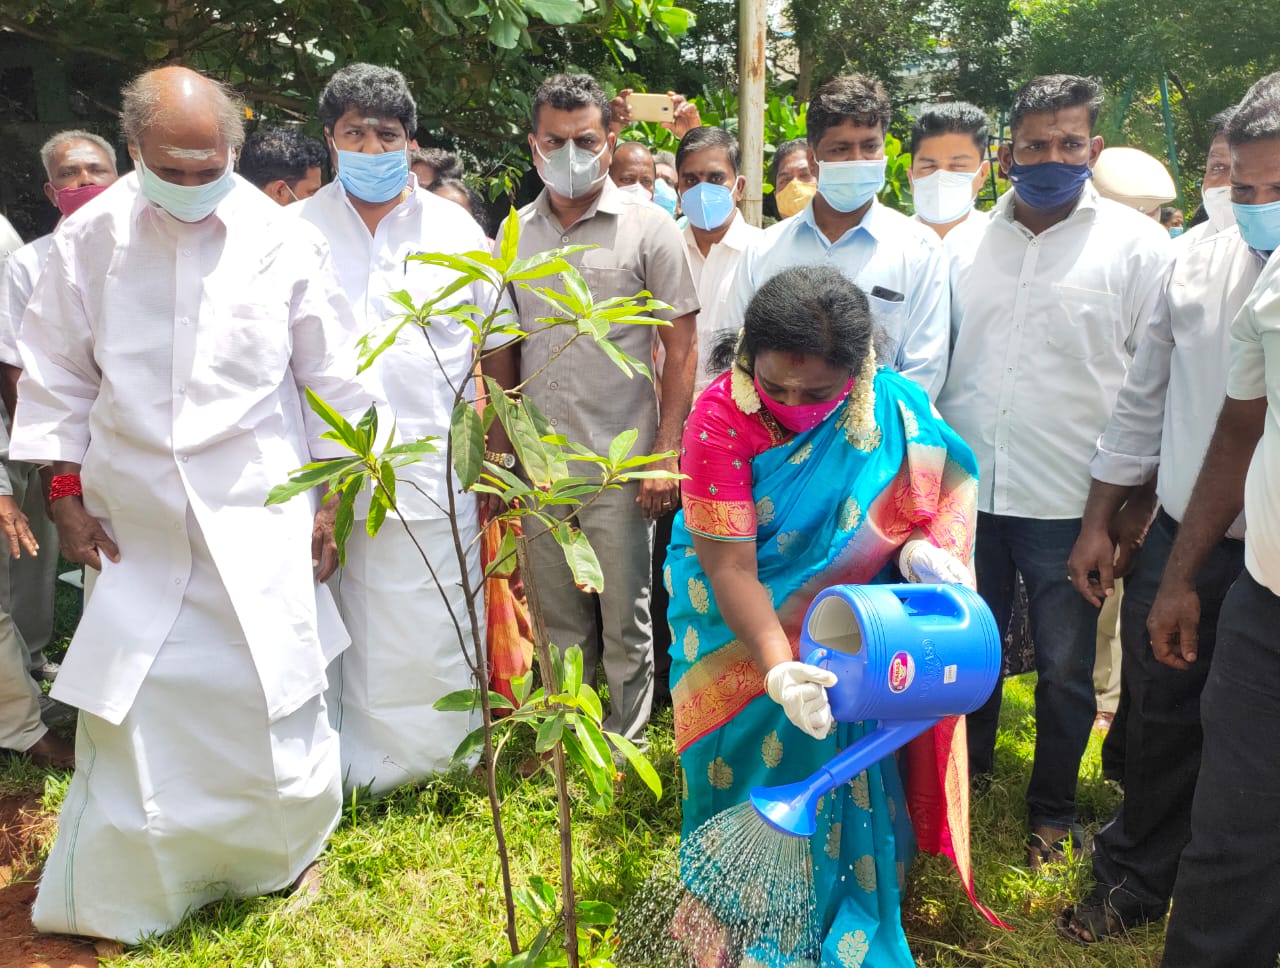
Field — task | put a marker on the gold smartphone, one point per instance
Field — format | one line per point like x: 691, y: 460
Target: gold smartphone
x: 651, y: 107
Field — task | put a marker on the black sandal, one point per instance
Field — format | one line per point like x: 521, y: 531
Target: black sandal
x: 1088, y: 923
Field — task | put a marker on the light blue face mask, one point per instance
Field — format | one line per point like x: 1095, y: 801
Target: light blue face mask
x: 665, y: 195
x: 186, y: 203
x: 707, y: 206
x: 1259, y: 225
x: 373, y: 178
x: 848, y: 185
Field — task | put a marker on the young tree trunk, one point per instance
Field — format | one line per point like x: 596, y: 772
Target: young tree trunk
x: 542, y: 649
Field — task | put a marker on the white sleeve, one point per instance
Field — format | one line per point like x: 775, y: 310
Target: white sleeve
x: 60, y: 377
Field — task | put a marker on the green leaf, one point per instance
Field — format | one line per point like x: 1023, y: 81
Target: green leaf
x: 462, y: 701
x: 555, y: 12
x: 504, y: 33
x: 621, y: 446
x: 520, y: 686
x: 346, y: 433
x: 549, y: 733
x: 504, y: 562
x: 572, y: 670
x: 467, y: 432
x: 471, y: 745
x: 627, y: 364
x: 345, y: 519
x: 367, y: 428
x: 597, y: 775
x: 638, y: 762
x: 377, y: 514
x: 387, y: 475
x: 304, y: 479
x: 580, y: 557
x: 590, y: 701
x: 598, y: 913
x: 509, y: 243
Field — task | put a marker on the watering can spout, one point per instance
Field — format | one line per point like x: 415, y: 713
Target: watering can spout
x: 793, y: 808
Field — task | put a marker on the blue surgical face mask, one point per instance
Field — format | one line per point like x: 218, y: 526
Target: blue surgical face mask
x: 1259, y: 225
x: 848, y: 185
x: 1175, y: 231
x: 1050, y: 184
x: 186, y: 203
x: 708, y: 206
x: 665, y: 195
x: 374, y: 178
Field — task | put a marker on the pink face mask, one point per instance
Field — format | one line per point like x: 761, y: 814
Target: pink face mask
x: 805, y: 416
x: 71, y: 199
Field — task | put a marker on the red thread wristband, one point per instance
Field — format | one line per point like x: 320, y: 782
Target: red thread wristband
x: 64, y: 485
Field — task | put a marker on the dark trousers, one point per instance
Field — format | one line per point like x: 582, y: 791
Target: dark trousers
x: 1226, y: 902
x: 658, y: 602
x: 1064, y: 628
x: 1136, y: 855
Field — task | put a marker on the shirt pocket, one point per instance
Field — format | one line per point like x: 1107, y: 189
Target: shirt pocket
x: 253, y: 345
x: 1082, y: 324
x: 889, y: 316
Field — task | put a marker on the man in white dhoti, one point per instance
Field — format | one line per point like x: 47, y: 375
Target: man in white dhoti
x: 165, y: 351
x: 405, y: 649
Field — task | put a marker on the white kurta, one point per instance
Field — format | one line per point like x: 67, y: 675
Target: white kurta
x: 168, y: 360
x: 405, y: 651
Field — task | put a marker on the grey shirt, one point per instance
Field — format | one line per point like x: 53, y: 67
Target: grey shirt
x: 639, y: 247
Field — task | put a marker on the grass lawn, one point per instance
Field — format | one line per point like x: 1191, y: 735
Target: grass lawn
x: 412, y: 880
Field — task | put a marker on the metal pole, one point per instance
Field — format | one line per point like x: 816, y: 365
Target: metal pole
x: 1168, y: 132
x: 752, y: 29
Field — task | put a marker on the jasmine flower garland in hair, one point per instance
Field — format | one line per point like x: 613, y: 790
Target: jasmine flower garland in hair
x: 742, y: 386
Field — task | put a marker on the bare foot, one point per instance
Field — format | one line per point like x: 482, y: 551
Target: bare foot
x: 307, y: 888
x: 52, y: 751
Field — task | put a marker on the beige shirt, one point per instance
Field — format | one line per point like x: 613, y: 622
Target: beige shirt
x: 638, y: 247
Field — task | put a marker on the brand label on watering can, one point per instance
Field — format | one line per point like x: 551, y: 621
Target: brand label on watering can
x: 902, y: 670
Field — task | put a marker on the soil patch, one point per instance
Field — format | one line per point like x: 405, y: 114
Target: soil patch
x: 21, y: 827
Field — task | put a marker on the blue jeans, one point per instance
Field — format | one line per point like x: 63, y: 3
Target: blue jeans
x: 1064, y: 628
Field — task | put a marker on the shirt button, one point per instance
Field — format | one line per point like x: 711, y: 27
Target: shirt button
x: 184, y: 320
x: 185, y: 458
x: 554, y: 385
x: 186, y: 251
x: 182, y: 389
x: 564, y: 238
x: 554, y: 422
x: 177, y: 581
x: 1024, y: 285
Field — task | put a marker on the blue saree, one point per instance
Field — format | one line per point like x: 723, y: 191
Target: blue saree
x: 832, y: 506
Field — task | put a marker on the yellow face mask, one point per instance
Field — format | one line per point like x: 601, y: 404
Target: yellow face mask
x: 794, y: 197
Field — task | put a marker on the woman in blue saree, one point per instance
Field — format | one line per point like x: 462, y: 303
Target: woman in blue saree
x: 809, y: 466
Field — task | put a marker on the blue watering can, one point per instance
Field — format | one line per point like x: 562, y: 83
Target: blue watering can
x: 906, y: 656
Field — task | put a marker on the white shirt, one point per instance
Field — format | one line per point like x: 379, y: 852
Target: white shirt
x: 419, y: 390
x: 1255, y: 373
x: 1043, y: 327
x: 713, y: 277
x: 169, y: 360
x: 10, y: 240
x: 886, y: 251
x: 1166, y: 411
x: 18, y: 275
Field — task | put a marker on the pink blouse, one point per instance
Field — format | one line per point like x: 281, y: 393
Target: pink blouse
x: 720, y: 442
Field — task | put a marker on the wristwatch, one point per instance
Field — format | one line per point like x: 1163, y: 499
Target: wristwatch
x: 506, y: 461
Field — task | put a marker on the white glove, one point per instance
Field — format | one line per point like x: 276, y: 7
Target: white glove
x: 800, y: 690
x: 920, y: 561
